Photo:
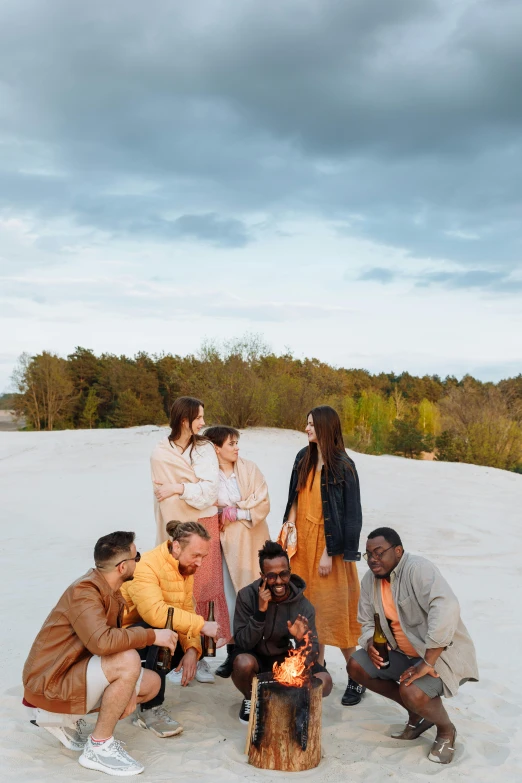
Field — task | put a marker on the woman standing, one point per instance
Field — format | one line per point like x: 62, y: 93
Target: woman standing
x: 243, y: 505
x: 325, y: 506
x: 185, y: 475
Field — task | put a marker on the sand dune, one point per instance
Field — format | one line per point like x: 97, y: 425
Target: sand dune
x: 61, y: 491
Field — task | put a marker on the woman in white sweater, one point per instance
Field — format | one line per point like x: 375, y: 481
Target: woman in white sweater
x: 185, y: 475
x: 243, y: 506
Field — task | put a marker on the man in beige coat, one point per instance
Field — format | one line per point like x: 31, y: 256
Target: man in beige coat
x: 82, y: 660
x: 430, y: 650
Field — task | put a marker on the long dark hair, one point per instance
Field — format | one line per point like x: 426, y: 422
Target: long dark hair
x: 329, y: 435
x: 185, y: 408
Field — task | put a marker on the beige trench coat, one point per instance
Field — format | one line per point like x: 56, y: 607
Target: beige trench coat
x: 242, y: 540
x: 201, y: 479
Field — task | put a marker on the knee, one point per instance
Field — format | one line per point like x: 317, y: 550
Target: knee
x: 244, y: 665
x: 150, y: 684
x: 128, y: 664
x: 413, y: 697
x: 327, y: 683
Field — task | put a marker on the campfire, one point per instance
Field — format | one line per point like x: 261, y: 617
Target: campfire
x: 285, y: 716
x: 295, y: 670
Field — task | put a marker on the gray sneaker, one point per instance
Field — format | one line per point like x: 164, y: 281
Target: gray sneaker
x: 71, y: 737
x: 157, y: 720
x: 110, y: 758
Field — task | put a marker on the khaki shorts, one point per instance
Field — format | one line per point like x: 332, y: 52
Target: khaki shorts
x: 97, y: 682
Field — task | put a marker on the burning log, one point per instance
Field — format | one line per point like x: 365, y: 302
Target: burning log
x: 284, y: 732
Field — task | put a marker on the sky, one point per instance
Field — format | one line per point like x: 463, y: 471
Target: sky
x: 342, y: 177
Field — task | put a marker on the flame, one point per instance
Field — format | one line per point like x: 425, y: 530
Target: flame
x: 295, y: 669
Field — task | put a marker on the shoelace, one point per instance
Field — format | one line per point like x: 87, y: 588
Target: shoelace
x: 246, y: 705
x: 442, y: 743
x: 354, y: 686
x: 118, y: 750
x: 203, y: 665
x: 161, y: 712
x: 80, y: 726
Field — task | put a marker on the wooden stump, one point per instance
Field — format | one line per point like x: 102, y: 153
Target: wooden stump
x: 273, y: 740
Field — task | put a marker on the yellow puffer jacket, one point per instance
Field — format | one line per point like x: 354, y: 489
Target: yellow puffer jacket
x: 158, y: 584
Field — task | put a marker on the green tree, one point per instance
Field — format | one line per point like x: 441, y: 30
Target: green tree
x: 406, y: 439
x: 90, y: 409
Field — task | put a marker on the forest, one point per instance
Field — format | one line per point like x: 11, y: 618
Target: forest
x: 245, y: 384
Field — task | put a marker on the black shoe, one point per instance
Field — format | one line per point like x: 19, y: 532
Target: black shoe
x: 353, y: 694
x: 225, y: 669
x: 244, y: 712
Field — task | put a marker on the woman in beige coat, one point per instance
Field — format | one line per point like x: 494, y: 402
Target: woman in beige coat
x: 243, y: 506
x: 185, y: 475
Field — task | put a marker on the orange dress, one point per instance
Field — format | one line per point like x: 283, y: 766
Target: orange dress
x: 334, y: 597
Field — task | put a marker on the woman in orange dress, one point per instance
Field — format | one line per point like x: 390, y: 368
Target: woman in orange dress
x: 324, y: 505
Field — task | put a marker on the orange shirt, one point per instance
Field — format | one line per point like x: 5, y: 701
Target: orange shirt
x: 390, y: 610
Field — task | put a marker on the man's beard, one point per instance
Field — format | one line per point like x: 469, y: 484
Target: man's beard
x: 128, y: 578
x: 382, y: 576
x: 186, y: 570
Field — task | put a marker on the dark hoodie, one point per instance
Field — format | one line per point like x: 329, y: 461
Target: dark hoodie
x: 266, y: 633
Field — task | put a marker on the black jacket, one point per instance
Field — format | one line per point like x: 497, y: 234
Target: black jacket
x: 267, y: 632
x: 341, y: 508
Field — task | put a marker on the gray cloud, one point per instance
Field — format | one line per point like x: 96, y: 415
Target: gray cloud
x: 177, y: 123
x: 379, y: 274
x: 482, y: 279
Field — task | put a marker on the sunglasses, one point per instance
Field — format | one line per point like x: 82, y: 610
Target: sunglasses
x: 283, y: 575
x: 137, y: 559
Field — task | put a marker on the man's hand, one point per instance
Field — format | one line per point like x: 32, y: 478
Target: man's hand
x: 166, y: 638
x: 189, y: 663
x: 265, y: 596
x: 299, y: 627
x: 164, y: 490
x: 325, y: 564
x: 413, y: 673
x: 131, y: 706
x: 374, y: 656
x: 210, y: 628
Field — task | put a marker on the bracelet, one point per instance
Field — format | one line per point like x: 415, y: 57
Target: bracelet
x: 428, y: 664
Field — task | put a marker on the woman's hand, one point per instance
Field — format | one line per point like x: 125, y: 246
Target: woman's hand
x: 164, y: 490
x: 228, y: 515
x: 325, y: 564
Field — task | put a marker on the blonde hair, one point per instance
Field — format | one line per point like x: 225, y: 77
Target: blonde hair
x: 181, y: 531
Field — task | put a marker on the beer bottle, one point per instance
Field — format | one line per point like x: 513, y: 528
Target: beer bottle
x: 164, y: 661
x: 380, y: 642
x: 209, y: 647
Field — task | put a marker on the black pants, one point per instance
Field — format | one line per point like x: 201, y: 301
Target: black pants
x: 149, y: 656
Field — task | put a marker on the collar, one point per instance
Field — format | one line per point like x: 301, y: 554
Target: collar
x: 398, y: 568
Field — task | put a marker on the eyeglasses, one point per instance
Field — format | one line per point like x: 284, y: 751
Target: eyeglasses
x: 137, y: 559
x: 375, y: 555
x: 283, y: 575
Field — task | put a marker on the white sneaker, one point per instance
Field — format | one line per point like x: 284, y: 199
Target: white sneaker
x: 175, y: 677
x: 157, y: 720
x: 203, y: 673
x: 110, y: 758
x: 71, y: 737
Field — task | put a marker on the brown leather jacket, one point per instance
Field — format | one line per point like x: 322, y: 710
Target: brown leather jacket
x: 86, y: 621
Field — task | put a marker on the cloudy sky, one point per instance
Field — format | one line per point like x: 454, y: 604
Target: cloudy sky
x: 341, y: 176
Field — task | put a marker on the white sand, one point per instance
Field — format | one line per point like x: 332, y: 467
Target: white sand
x: 61, y: 491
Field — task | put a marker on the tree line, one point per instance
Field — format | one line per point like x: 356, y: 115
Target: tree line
x: 244, y: 384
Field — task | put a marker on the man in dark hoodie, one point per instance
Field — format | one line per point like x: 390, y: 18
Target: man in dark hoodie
x: 271, y: 612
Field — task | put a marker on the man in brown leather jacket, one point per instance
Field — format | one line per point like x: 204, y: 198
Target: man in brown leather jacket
x: 83, y: 660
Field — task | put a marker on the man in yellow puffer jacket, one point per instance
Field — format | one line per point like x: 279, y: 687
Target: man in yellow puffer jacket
x: 164, y: 578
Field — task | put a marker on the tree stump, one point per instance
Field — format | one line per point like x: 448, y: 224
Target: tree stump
x: 284, y: 731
